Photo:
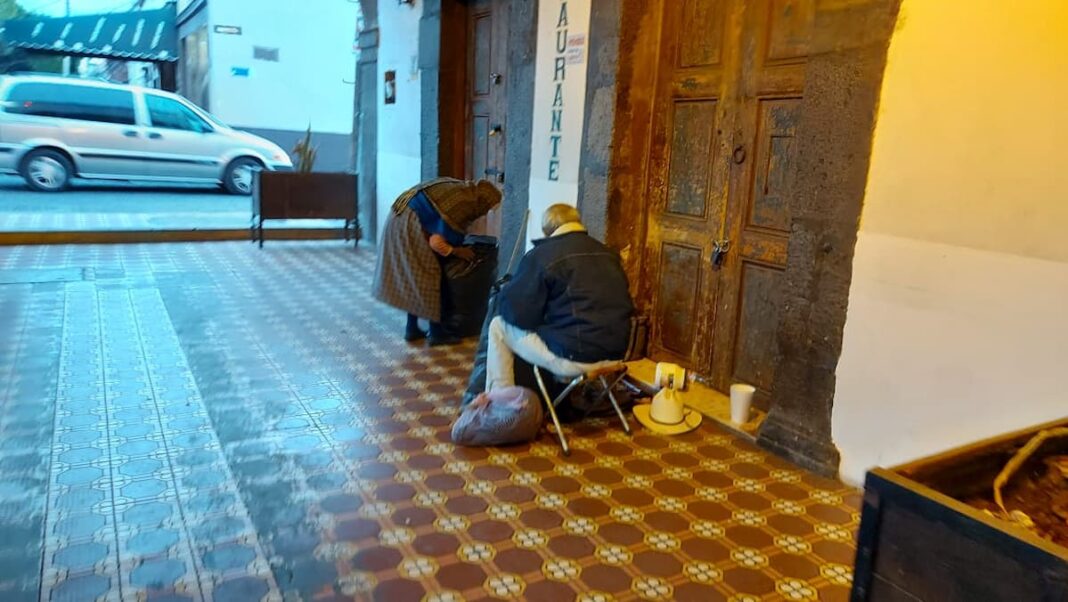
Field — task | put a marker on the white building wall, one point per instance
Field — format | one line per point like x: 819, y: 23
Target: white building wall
x: 946, y: 345
x: 956, y: 329
x: 399, y: 124
x: 308, y: 83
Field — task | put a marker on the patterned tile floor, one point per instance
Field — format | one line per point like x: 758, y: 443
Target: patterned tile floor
x: 216, y: 422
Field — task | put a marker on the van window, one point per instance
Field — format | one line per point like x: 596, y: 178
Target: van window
x: 171, y: 114
x: 86, y: 103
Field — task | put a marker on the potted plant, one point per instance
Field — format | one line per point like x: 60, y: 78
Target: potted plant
x: 987, y: 521
x: 305, y: 194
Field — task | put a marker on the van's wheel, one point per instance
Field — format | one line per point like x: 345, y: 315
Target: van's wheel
x: 239, y: 174
x: 47, y: 170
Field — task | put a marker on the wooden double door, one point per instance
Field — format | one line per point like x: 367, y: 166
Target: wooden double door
x: 721, y: 180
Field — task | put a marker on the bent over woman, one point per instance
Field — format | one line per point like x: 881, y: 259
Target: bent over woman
x: 426, y: 224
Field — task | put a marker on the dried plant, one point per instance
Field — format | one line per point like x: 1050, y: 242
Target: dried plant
x: 305, y: 153
x: 1014, y: 465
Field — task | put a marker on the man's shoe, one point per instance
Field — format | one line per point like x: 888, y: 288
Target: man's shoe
x: 414, y: 334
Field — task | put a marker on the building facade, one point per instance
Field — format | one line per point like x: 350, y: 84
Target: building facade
x: 274, y: 68
x: 809, y: 195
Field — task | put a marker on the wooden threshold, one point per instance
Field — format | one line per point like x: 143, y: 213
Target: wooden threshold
x: 707, y: 401
x: 147, y: 236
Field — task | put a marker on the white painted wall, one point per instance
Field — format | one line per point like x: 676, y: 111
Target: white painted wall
x: 956, y: 327
x: 399, y: 124
x: 307, y: 85
x: 945, y: 345
x: 544, y: 190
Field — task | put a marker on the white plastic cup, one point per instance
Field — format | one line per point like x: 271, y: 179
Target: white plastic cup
x: 741, y: 401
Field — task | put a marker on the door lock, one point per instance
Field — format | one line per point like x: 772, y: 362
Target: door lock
x: 495, y: 78
x: 496, y: 130
x: 719, y: 253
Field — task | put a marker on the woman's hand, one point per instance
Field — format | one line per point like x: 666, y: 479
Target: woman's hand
x: 465, y: 253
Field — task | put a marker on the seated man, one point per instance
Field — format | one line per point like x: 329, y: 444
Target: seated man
x: 566, y: 310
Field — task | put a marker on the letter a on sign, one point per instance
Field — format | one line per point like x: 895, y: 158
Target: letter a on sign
x: 562, y: 21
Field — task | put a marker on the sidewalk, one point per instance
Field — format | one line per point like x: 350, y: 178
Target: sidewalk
x: 213, y: 421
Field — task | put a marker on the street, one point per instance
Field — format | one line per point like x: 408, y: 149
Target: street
x: 101, y: 206
x: 118, y: 206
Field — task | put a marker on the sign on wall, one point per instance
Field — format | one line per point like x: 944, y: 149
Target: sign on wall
x: 559, y: 105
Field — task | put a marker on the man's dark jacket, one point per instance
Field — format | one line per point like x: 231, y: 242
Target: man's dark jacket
x: 572, y: 291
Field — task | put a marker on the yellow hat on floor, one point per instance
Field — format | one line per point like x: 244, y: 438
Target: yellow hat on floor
x: 667, y: 415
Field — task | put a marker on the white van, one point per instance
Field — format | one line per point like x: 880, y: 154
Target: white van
x: 55, y: 128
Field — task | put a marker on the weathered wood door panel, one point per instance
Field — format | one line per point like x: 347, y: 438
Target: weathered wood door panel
x: 487, y: 56
x: 689, y: 176
x: 770, y: 84
x: 746, y: 339
x: 722, y: 166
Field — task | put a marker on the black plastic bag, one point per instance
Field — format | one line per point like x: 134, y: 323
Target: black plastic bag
x: 591, y: 401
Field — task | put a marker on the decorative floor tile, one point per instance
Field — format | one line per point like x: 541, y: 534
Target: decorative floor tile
x: 219, y: 422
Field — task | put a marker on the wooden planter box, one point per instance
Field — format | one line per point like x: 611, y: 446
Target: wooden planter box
x: 919, y: 542
x: 291, y: 195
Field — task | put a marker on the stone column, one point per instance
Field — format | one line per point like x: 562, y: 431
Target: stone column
x: 365, y: 125
x: 842, y: 85
x: 522, y: 50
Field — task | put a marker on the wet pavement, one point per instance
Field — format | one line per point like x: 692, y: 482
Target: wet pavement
x: 218, y: 422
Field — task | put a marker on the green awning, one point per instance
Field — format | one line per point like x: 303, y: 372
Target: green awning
x: 148, y: 35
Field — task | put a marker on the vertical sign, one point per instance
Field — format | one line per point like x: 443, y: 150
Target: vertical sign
x: 559, y: 105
